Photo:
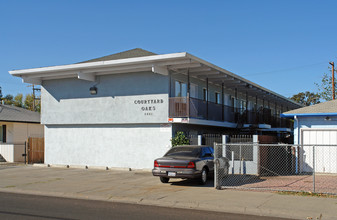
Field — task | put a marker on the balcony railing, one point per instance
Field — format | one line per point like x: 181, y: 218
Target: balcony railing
x: 196, y: 108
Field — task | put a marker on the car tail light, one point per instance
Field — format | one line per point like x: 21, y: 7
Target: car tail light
x: 156, y: 164
x: 191, y: 165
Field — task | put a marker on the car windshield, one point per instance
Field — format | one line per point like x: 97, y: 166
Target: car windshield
x: 184, y: 151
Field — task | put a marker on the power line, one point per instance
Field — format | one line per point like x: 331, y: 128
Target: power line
x: 283, y: 70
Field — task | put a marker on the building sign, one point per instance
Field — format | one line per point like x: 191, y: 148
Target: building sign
x: 148, y: 106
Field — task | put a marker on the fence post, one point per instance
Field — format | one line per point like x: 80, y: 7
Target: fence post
x: 240, y: 167
x: 232, y: 162
x: 200, y: 140
x: 256, y: 153
x: 224, y: 147
x: 25, y: 152
x: 297, y: 154
x: 313, y: 167
x: 216, y: 182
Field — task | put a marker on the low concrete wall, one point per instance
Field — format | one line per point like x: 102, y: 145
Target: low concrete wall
x: 123, y: 146
x: 12, y: 152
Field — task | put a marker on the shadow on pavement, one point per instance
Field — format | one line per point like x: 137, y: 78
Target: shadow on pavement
x: 191, y: 182
x: 239, y: 180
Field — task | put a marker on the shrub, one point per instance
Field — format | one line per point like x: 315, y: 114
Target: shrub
x: 180, y: 139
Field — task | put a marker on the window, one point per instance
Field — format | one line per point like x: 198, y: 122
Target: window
x: 205, y: 151
x: 204, y: 94
x: 217, y: 98
x: 3, y: 133
x: 180, y: 89
x: 243, y: 106
x: 193, y: 91
x: 183, y: 152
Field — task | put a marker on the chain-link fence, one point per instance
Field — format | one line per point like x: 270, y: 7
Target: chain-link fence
x: 278, y: 167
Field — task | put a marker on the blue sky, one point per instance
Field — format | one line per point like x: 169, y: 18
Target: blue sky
x: 284, y: 46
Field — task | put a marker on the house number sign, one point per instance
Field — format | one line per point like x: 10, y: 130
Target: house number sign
x: 148, y: 106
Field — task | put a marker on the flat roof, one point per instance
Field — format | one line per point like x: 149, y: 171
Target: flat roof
x: 183, y: 63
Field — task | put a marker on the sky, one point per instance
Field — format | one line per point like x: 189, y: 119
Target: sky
x: 284, y: 46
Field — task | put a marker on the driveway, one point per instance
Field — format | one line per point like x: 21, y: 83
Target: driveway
x: 140, y: 187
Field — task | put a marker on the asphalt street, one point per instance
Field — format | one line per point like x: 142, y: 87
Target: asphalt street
x: 146, y: 196
x: 21, y: 206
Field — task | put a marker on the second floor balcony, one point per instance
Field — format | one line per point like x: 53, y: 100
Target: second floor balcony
x: 196, y: 108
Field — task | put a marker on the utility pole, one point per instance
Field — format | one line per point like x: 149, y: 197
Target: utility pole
x: 35, y: 89
x: 34, y: 96
x: 333, y: 79
x: 0, y: 95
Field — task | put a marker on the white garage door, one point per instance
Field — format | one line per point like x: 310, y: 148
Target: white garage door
x: 325, y: 156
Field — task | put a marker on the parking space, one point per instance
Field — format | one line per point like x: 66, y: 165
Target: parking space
x: 140, y: 187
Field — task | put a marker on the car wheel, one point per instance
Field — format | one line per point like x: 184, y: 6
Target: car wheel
x: 164, y: 179
x: 204, y: 176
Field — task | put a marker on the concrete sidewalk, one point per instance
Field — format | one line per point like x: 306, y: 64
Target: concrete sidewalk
x: 142, y: 188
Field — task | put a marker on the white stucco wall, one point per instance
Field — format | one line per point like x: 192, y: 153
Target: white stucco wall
x: 316, y: 130
x: 124, y: 125
x: 312, y: 122
x: 121, y: 99
x: 129, y: 146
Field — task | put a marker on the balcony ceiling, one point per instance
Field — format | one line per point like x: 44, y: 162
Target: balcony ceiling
x: 218, y: 76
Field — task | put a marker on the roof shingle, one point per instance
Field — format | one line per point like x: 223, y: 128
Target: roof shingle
x: 137, y: 52
x: 324, y: 107
x: 16, y: 114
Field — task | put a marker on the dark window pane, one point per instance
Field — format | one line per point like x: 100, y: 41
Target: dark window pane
x: 3, y: 133
x: 184, y: 151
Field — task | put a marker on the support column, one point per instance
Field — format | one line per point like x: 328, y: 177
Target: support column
x: 188, y: 94
x: 223, y: 102
x: 256, y: 103
x: 170, y: 84
x: 246, y: 107
x: 207, y: 98
x: 199, y: 139
x: 257, y: 120
x: 236, y: 99
x: 276, y: 117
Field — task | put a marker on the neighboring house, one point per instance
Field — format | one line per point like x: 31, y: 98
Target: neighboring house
x: 122, y: 110
x: 16, y: 126
x: 316, y: 125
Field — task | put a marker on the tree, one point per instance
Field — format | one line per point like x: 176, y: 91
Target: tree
x: 306, y: 98
x: 180, y: 139
x: 325, y: 87
x: 8, y: 99
x: 29, y: 99
x: 29, y: 103
x: 18, y: 100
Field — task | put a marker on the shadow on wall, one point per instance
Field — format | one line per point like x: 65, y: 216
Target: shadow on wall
x: 144, y: 83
